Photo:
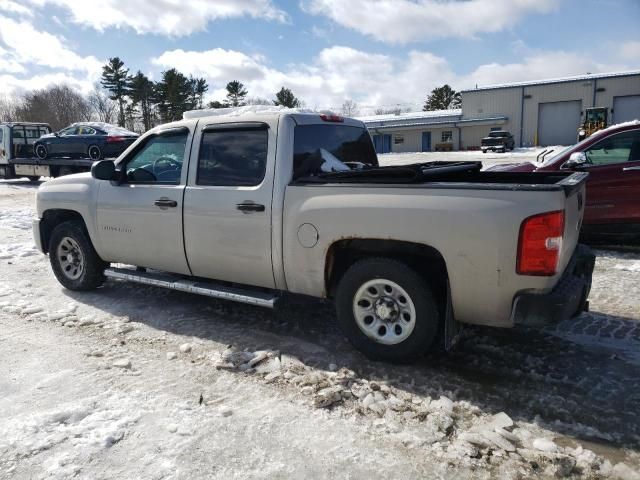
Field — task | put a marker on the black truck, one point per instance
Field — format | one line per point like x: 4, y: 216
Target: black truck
x: 498, y: 141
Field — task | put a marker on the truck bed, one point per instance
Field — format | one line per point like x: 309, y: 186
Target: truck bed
x: 458, y: 175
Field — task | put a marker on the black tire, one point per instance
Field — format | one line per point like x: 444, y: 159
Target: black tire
x: 426, y: 320
x: 33, y: 179
x: 91, y: 273
x: 41, y: 151
x: 94, y: 152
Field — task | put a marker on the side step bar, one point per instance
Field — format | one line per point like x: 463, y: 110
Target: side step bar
x: 209, y: 289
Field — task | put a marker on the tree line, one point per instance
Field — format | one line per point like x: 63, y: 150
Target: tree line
x: 138, y: 103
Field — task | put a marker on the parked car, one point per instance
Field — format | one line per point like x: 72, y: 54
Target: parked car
x: 244, y: 208
x: 497, y: 141
x: 612, y: 159
x: 94, y: 140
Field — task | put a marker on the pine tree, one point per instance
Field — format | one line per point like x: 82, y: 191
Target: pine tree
x: 142, y: 96
x: 286, y: 98
x: 236, y: 93
x: 443, y: 98
x: 201, y: 88
x: 115, y: 79
x: 173, y: 94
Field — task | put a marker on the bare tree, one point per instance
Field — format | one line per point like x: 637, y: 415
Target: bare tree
x: 58, y: 105
x: 9, y: 107
x: 349, y: 108
x: 103, y: 108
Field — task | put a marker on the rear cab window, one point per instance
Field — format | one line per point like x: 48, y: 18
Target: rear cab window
x: 322, y: 148
x: 233, y: 156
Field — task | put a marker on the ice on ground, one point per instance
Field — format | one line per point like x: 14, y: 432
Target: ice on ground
x: 90, y: 426
x: 629, y: 267
x: 16, y: 219
x: 10, y: 251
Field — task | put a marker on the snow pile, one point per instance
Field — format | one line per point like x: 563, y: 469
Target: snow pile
x: 16, y: 219
x: 10, y: 251
x: 106, y: 127
x: 85, y: 429
x: 242, y: 111
x: 630, y: 267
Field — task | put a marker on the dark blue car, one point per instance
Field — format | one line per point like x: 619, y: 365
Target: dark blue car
x: 94, y: 140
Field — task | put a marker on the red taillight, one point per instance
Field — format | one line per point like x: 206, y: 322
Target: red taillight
x: 331, y: 118
x: 540, y: 243
x: 115, y: 139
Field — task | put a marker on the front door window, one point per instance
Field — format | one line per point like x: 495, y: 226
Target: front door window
x: 159, y: 161
x: 621, y: 148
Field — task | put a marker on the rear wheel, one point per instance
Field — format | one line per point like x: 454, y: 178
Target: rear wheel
x: 387, y: 310
x: 74, y: 261
x: 41, y: 151
x: 33, y: 179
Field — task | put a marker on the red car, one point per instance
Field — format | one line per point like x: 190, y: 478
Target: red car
x: 612, y: 158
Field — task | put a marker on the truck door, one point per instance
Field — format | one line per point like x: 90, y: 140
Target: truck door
x: 227, y: 203
x: 614, y: 179
x: 139, y: 221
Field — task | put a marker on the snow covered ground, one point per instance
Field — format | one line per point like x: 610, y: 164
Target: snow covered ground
x: 518, y: 155
x: 138, y: 382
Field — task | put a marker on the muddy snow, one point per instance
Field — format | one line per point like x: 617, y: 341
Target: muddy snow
x: 135, y: 381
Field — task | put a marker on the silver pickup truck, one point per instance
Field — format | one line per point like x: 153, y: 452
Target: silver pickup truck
x: 247, y: 207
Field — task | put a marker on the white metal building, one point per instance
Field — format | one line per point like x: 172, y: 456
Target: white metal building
x: 546, y: 112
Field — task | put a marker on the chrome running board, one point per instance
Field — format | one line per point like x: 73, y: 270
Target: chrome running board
x: 206, y: 288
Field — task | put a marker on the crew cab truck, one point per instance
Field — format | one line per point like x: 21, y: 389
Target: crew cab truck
x: 497, y: 141
x: 17, y: 159
x: 244, y: 208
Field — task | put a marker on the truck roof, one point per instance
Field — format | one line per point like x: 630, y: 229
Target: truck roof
x: 256, y: 112
x: 14, y: 124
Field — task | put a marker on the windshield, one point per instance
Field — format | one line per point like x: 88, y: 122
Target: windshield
x: 498, y: 134
x: 322, y: 148
x: 577, y: 147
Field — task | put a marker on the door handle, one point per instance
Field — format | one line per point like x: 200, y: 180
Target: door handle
x: 630, y: 169
x: 165, y: 202
x: 250, y: 207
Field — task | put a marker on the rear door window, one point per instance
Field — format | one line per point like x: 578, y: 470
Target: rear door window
x: 18, y: 135
x: 314, y: 144
x: 233, y: 157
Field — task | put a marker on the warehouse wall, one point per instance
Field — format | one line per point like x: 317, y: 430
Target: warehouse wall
x: 507, y: 101
x: 616, y: 87
x: 413, y: 138
x: 491, y: 103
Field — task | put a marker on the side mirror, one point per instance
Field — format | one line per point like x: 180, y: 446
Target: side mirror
x: 575, y: 160
x: 57, y: 134
x: 103, y: 170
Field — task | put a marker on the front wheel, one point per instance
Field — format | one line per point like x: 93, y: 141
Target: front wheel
x: 387, y: 310
x: 94, y: 152
x: 74, y: 261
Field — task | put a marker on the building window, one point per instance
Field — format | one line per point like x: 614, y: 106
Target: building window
x: 398, y: 139
x: 447, y: 136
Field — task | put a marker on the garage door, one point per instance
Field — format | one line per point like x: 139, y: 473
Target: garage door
x: 558, y: 122
x: 626, y: 108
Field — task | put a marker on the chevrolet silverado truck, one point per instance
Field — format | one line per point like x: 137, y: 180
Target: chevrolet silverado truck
x: 248, y: 207
x: 497, y: 141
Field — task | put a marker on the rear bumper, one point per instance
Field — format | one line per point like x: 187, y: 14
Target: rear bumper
x: 566, y: 300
